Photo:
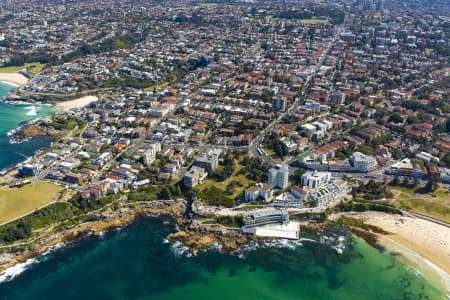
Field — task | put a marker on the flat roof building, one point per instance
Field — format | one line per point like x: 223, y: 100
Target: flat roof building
x: 265, y: 217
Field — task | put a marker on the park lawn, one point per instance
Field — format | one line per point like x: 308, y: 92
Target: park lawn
x: 313, y: 21
x: 437, y: 206
x: 434, y: 209
x: 223, y: 185
x: 16, y: 202
x: 32, y: 68
x: 12, y: 69
x: 238, y: 190
x: 157, y: 86
x: 269, y: 152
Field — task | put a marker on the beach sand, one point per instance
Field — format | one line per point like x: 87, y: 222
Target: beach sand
x: 77, y: 103
x: 422, y: 242
x: 13, y: 78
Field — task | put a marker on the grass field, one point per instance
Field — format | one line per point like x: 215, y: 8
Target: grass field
x: 12, y: 69
x: 157, y: 86
x: 32, y: 69
x: 16, y: 202
x: 208, y: 4
x: 436, y: 205
x: 238, y: 190
x: 313, y: 21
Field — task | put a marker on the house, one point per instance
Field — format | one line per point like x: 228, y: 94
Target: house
x: 200, y: 127
x: 74, y: 178
x: 299, y: 193
x: 260, y: 190
x: 419, y: 130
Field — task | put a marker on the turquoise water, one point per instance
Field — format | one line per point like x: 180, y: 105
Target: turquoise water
x: 135, y: 263
x: 11, y: 116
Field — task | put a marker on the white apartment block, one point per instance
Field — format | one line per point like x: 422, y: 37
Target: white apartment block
x: 363, y: 163
x: 279, y: 177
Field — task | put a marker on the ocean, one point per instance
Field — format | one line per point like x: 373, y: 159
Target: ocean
x: 136, y: 263
x: 11, y: 116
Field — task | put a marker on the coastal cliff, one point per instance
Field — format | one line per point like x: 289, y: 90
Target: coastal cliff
x: 95, y: 224
x: 35, y: 129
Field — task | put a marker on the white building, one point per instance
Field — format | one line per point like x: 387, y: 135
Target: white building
x: 315, y: 106
x: 299, y: 193
x: 260, y: 190
x: 279, y: 177
x: 150, y: 154
x: 295, y: 198
x: 363, y: 163
x: 288, y: 145
x: 194, y: 176
x: 427, y: 157
x: 265, y: 217
x: 328, y: 195
x: 315, y: 179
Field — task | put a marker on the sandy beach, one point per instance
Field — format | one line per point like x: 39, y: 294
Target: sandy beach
x: 13, y: 78
x: 414, y: 238
x: 76, y: 103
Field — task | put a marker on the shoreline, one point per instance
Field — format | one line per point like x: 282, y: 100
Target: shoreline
x: 423, y: 266
x: 15, y: 79
x: 195, y: 238
x: 423, y: 244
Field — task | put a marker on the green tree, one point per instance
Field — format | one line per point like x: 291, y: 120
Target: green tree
x: 415, y: 182
x: 431, y: 184
x: 446, y: 159
x: 366, y: 149
x: 165, y: 194
x: 297, y: 177
x: 405, y: 182
x: 395, y: 181
x: 396, y: 118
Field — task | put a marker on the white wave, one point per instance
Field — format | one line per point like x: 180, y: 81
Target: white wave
x: 179, y: 249
x: 32, y: 110
x: 14, y: 85
x: 54, y: 248
x: 11, y: 132
x: 338, y: 250
x: 216, y: 246
x: 11, y: 273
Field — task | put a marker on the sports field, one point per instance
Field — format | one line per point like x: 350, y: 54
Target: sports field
x: 16, y: 202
